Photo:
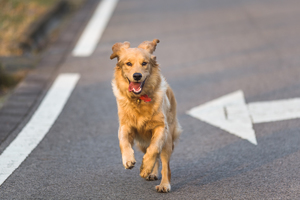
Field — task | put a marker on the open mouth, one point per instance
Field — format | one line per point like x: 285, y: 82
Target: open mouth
x: 136, y: 87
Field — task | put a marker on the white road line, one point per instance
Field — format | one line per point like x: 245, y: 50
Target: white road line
x: 38, y: 126
x: 93, y: 31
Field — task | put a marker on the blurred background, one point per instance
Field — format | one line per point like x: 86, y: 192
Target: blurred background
x: 26, y: 28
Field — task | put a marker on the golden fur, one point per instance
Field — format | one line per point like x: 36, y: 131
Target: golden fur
x: 153, y: 125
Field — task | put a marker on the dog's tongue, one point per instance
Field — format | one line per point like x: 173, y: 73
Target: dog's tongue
x: 134, y: 85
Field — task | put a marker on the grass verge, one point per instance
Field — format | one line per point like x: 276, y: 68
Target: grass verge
x: 15, y: 18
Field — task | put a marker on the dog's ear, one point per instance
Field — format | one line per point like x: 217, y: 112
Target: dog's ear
x: 153, y: 57
x: 117, y: 49
x: 153, y: 60
x: 149, y: 45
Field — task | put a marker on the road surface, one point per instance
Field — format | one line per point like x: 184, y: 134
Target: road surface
x: 208, y: 49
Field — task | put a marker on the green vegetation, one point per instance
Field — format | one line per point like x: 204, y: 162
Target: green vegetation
x: 15, y: 17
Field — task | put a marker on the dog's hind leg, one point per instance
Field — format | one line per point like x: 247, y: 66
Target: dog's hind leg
x: 154, y: 174
x: 165, y: 172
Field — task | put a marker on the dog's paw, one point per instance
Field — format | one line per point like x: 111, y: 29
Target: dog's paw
x: 163, y: 188
x: 144, y: 173
x: 129, y: 164
x: 152, y: 177
x: 147, y: 166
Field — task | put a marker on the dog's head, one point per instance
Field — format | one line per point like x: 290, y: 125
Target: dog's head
x: 135, y: 64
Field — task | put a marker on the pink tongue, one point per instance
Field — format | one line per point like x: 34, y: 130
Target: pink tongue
x: 134, y: 85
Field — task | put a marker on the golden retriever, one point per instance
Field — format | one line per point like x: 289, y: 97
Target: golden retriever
x: 146, y: 109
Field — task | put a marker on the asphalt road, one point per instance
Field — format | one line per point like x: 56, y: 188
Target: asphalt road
x: 208, y: 49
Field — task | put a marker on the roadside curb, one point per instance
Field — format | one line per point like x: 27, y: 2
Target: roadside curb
x: 32, y: 89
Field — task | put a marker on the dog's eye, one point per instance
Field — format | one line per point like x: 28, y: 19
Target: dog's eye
x: 144, y: 63
x: 129, y: 64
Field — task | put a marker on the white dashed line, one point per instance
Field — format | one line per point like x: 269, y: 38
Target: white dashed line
x: 93, y: 31
x: 38, y: 126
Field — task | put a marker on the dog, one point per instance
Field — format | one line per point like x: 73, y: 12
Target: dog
x: 146, y: 110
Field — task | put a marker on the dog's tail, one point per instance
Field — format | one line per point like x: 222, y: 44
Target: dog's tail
x: 177, y: 132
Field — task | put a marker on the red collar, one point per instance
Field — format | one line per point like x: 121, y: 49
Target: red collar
x: 145, y: 98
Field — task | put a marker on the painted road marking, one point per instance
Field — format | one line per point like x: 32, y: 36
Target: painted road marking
x: 231, y: 113
x: 271, y: 111
x: 94, y: 29
x: 38, y: 126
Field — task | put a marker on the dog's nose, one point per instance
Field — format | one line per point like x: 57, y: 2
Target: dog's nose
x: 137, y: 76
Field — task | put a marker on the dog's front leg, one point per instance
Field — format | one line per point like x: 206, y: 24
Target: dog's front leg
x: 154, y: 149
x: 126, y: 138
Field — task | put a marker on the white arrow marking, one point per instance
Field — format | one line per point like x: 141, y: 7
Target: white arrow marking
x: 275, y: 110
x: 231, y: 113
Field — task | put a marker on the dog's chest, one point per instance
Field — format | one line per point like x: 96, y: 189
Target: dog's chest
x: 141, y: 116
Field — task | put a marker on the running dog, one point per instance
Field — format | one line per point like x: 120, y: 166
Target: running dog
x: 146, y: 109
